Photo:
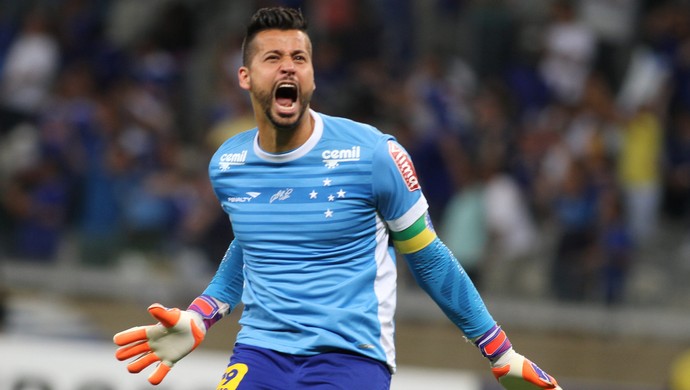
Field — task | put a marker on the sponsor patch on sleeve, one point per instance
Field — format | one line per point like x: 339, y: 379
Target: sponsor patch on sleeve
x: 404, y: 165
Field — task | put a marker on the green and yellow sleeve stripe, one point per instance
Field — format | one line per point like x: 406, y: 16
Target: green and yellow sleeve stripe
x: 414, y: 238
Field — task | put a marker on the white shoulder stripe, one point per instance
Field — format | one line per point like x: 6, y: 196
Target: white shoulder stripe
x: 410, y: 217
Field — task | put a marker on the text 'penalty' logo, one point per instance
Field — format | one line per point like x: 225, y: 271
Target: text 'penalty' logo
x: 404, y: 164
x: 243, y: 199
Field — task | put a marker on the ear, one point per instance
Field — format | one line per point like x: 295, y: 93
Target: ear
x: 244, y: 78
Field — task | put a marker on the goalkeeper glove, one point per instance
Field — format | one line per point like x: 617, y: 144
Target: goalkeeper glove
x: 176, y: 334
x: 512, y: 370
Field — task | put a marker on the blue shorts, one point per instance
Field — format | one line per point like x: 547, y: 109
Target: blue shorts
x: 253, y: 368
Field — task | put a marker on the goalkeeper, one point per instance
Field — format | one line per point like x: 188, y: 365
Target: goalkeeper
x: 313, y: 200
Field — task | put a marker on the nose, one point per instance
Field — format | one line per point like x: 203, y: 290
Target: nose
x: 287, y: 66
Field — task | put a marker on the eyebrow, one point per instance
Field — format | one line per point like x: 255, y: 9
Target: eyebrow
x: 280, y: 51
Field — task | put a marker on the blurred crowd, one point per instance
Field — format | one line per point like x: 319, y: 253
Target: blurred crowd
x: 562, y: 117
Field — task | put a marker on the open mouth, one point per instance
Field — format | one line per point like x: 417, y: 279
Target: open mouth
x: 286, y: 95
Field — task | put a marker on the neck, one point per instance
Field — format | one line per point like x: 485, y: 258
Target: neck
x: 280, y: 140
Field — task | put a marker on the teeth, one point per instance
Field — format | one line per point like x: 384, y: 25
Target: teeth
x: 282, y: 94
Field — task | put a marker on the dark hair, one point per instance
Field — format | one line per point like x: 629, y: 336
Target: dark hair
x: 279, y: 18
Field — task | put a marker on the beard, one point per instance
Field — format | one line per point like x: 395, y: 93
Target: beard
x: 265, y: 101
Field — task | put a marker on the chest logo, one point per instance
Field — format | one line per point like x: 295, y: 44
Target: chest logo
x: 243, y: 199
x: 281, y: 195
x: 332, y: 158
x: 227, y: 160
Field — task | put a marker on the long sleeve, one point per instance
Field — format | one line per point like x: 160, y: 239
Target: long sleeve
x: 228, y: 282
x: 439, y: 273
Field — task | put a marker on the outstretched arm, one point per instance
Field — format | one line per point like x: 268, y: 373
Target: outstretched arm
x: 179, y: 332
x: 441, y: 276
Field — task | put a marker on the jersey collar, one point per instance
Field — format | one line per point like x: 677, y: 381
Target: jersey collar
x: 295, y: 153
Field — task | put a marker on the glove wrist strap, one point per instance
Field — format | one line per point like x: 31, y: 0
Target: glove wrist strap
x: 493, y: 343
x: 210, y: 309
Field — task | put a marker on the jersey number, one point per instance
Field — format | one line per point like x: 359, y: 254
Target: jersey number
x: 232, y: 377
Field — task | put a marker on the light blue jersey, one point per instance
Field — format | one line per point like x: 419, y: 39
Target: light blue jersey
x: 312, y: 228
